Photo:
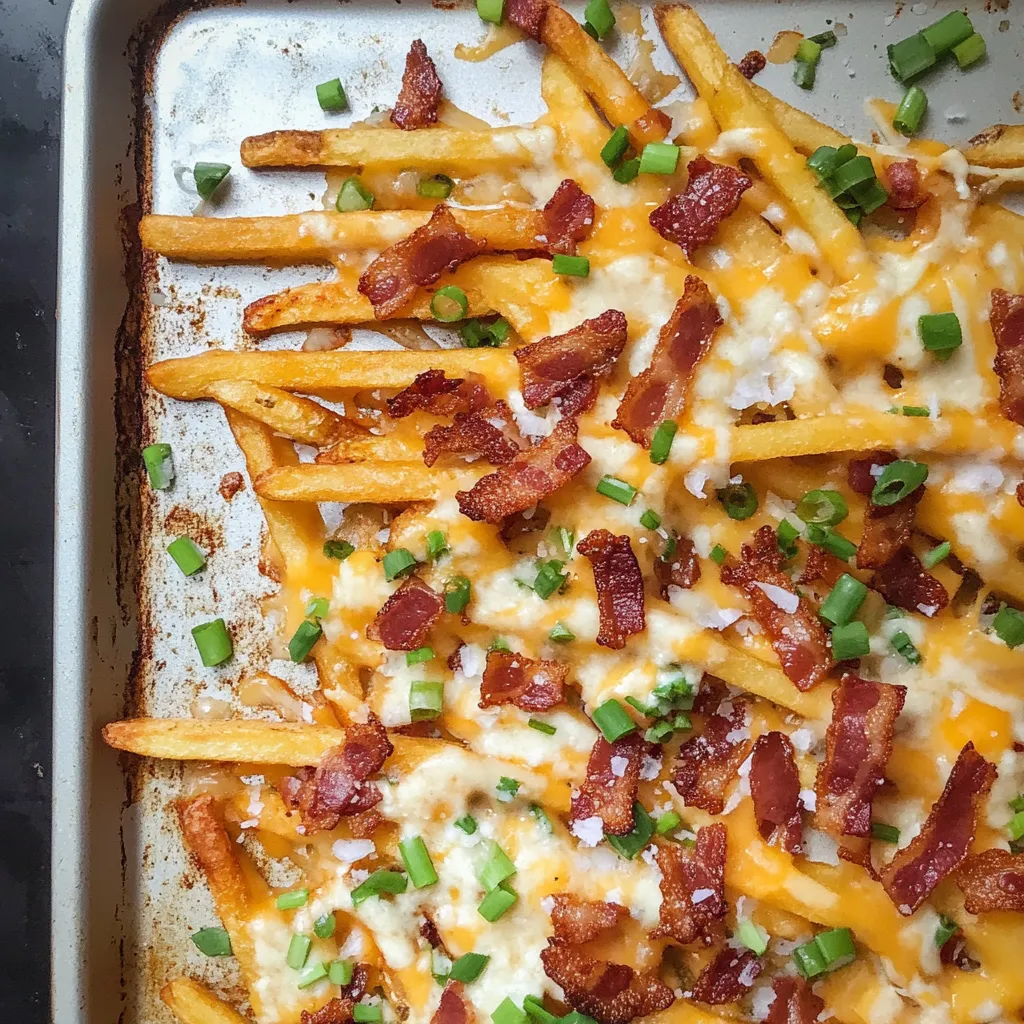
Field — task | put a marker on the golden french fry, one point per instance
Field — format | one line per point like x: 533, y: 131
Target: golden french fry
x: 193, y: 1003
x: 386, y: 483
x: 736, y: 108
x: 453, y: 150
x: 393, y: 447
x: 1002, y: 145
x: 805, y: 132
x: 251, y: 740
x: 326, y: 372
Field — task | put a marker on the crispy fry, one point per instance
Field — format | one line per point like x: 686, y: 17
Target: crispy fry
x: 1002, y: 145
x: 805, y: 132
x: 387, y: 483
x: 429, y: 149
x: 193, y: 1003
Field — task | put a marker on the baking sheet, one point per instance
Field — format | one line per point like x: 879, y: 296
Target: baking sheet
x: 160, y: 88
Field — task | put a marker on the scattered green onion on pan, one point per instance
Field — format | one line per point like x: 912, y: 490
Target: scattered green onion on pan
x: 339, y: 972
x: 598, y: 15
x: 827, y: 951
x: 212, y: 941
x: 331, y: 95
x: 323, y: 926
x: 159, y: 465
x: 561, y: 634
x: 940, y: 333
x: 187, y: 555
x: 629, y: 845
x: 939, y: 553
x: 491, y: 10
x: 898, y: 480
x: 213, y: 641
x: 208, y: 177
x: 292, y: 900
x: 753, y: 937
x: 615, y: 148
x: 507, y: 1012
x: 544, y: 727
x: 909, y: 113
x: 626, y: 171
x: 380, y: 882
x: 1009, y: 626
x: 824, y: 507
x: 298, y: 951
x: 904, y: 646
x: 469, y: 967
x: 843, y: 600
x: 616, y: 489
x: 970, y: 51
x: 885, y: 833
x: 850, y: 641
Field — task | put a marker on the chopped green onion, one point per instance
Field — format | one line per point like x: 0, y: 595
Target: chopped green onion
x: 549, y: 579
x: 904, y: 646
x: 467, y: 824
x: 379, y: 882
x: 616, y: 489
x: 970, y: 51
x: 469, y: 967
x: 667, y: 822
x: 948, y: 32
x: 804, y: 73
x: 824, y: 507
x: 940, y: 333
x: 1015, y: 826
x: 598, y: 15
x: 719, y: 554
x: 317, y: 607
x: 834, y: 543
x: 159, y: 465
x: 323, y: 926
x: 850, y: 641
x: 507, y: 788
x: 827, y: 951
x: 353, y: 195
x: 911, y: 410
x: 870, y: 195
x: 499, y: 643
x: 533, y: 1006
x: 1017, y: 803
x: 738, y: 500
x: 426, y: 699
x: 490, y: 10
x: 417, y: 862
x: 613, y: 720
x: 339, y: 972
x: 650, y: 519
x: 930, y: 559
x: 312, y: 974
x: 367, y: 1013
x: 885, y: 833
x: 499, y: 330
x: 754, y: 938
x: 507, y: 1012
x: 854, y: 172
x: 567, y: 539
x: 785, y: 536
x: 615, y: 148
x: 397, y: 563
x: 213, y: 941
x: 629, y: 845
x: 298, y: 951
x: 208, y: 177
x: 907, y: 118
x: 843, y: 600
x: 331, y: 95
x: 661, y: 442
x: 825, y: 159
x: 304, y: 640
x: 213, y: 641
x: 543, y: 821
x: 561, y: 634
x: 292, y: 900
x: 897, y: 480
x: 911, y: 56
x: 418, y: 656
x: 1009, y: 626
x: 339, y: 549
x: 496, y: 868
x: 449, y: 304
x: 456, y: 594
x: 570, y: 266
x: 825, y: 39
x: 437, y: 545
x: 476, y: 334
x: 497, y: 903
x: 438, y: 187
x: 660, y: 732
x: 544, y: 727
x: 659, y: 158
x: 187, y: 555
x: 626, y: 171
x: 808, y: 51
x: 946, y: 930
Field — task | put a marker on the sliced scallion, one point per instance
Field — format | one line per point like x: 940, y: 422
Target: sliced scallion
x: 304, y: 640
x: 570, y: 266
x: 850, y: 641
x: 449, y: 304
x: 426, y: 699
x: 616, y: 489
x: 615, y: 148
x: 909, y: 113
x: 659, y: 158
x: 187, y: 555
x: 613, y: 720
x: 212, y: 941
x: 738, y: 500
x: 353, y: 195
x: 213, y: 641
x: 338, y: 549
x: 843, y: 600
x: 331, y: 95
x: 380, y: 882
x: 897, y: 480
x: 417, y: 862
x: 940, y: 333
x: 159, y: 465
x: 661, y: 442
x: 208, y: 177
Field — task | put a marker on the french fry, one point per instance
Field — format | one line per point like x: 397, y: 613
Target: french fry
x: 453, y: 150
x: 392, y: 447
x: 805, y: 132
x: 389, y: 483
x: 735, y: 107
x: 327, y: 372
x: 251, y: 740
x: 193, y: 1003
x: 1002, y: 145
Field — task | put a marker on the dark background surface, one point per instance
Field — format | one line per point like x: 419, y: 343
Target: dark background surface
x: 31, y: 40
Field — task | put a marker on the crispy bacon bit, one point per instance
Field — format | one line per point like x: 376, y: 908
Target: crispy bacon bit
x: 579, y: 921
x: 362, y: 826
x: 338, y: 787
x: 681, y: 570
x: 798, y: 637
x: 693, y: 888
x: 660, y: 392
x: 605, y: 794
x: 569, y: 216
x: 452, y: 1008
x: 518, y: 524
x: 515, y: 679
x: 429, y: 931
x: 421, y: 91
x: 527, y: 15
x: 993, y: 880
x: 620, y: 586
x: 820, y: 564
x: 339, y: 1009
x: 886, y: 530
x: 610, y: 993
x: 752, y: 64
x: 691, y: 218
x: 707, y: 763
x: 391, y: 280
x: 568, y: 366
x: 407, y: 617
x: 858, y: 745
x: 904, y: 182
x: 954, y: 954
x: 230, y: 485
x: 439, y: 395
x: 902, y: 581
x: 775, y: 791
x: 1006, y: 315
x: 795, y: 1002
x: 728, y: 977
x: 469, y: 434
x: 535, y: 475
x: 942, y: 844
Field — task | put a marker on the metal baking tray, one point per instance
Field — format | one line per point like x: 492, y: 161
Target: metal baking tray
x: 150, y: 88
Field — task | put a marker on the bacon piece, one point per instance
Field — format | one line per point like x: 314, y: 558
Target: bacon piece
x: 620, y: 586
x: 775, y: 791
x: 942, y: 843
x: 439, y: 395
x: 1006, y: 315
x: 535, y: 475
x: 339, y: 1009
x: 691, y: 218
x: 610, y: 993
x: 338, y: 787
x: 364, y: 824
x: 421, y: 91
x: 517, y: 524
x: 693, y: 888
x: 795, y: 1002
x: 820, y: 564
x: 706, y: 764
x: 515, y: 679
x: 993, y: 880
x: 904, y: 183
x: 660, y: 392
x: 469, y: 434
x: 681, y: 570
x: 578, y: 921
x: 752, y: 64
x: 407, y: 617
x: 527, y: 15
x: 858, y: 745
x: 902, y: 581
x: 605, y: 794
x: 452, y: 1009
x: 391, y: 280
x: 728, y: 977
x: 886, y: 530
x: 569, y: 365
x: 569, y: 216
x: 798, y: 637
